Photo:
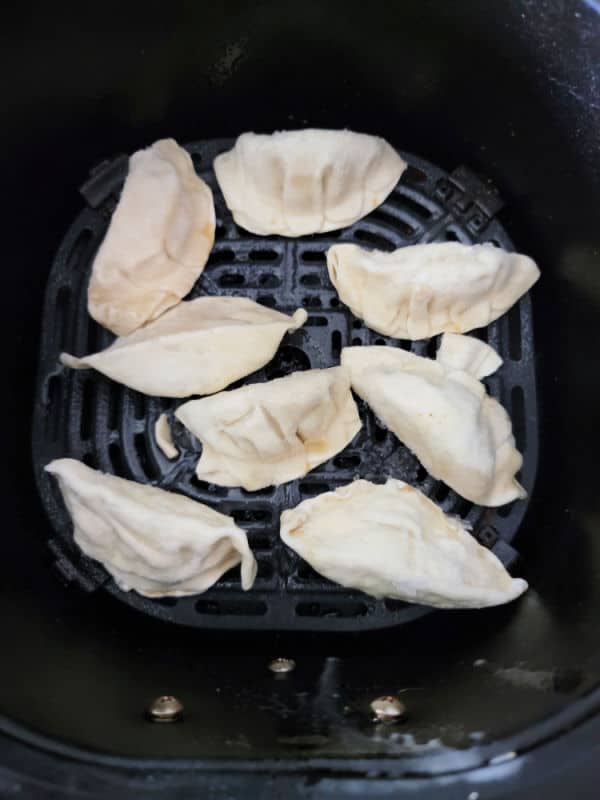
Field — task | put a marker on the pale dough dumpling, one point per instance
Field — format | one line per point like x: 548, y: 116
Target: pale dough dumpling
x: 157, y: 243
x: 164, y: 440
x: 425, y: 289
x: 294, y: 183
x: 268, y: 433
x: 459, y: 433
x: 198, y: 347
x: 467, y: 354
x: 391, y: 541
x: 152, y: 541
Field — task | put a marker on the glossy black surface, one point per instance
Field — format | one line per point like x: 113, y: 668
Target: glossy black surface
x: 509, y: 89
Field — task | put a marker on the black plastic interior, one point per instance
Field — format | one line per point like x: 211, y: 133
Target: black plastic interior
x: 510, y: 90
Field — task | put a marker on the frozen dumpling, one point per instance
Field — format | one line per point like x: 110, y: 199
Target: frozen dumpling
x: 157, y: 243
x: 268, y: 433
x: 152, y: 541
x: 420, y: 291
x: 391, y: 541
x: 459, y: 433
x: 198, y: 347
x: 298, y: 182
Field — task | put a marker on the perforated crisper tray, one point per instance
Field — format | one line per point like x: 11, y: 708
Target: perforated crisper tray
x: 83, y: 415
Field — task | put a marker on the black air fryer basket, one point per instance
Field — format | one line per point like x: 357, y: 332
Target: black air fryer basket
x: 496, y: 109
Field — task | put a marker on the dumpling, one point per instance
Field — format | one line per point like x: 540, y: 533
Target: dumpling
x: 164, y: 440
x: 268, y: 433
x: 467, y: 354
x: 198, y: 347
x: 294, y: 183
x: 459, y: 433
x: 391, y: 541
x: 420, y: 291
x: 152, y: 541
x: 158, y: 241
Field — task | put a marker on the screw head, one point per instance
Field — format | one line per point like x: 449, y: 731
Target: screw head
x: 165, y: 708
x: 282, y: 665
x: 388, y: 709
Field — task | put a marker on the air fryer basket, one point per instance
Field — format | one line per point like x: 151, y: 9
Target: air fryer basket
x: 81, y: 414
x: 501, y: 702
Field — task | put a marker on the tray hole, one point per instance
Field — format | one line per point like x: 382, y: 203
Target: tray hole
x: 422, y: 474
x: 287, y: 360
x: 114, y: 406
x: 139, y: 405
x: 380, y: 433
x: 380, y: 341
x: 414, y: 174
x: 431, y: 347
x: 357, y: 324
x: 141, y: 448
x: 392, y: 222
x: 312, y: 489
x: 91, y: 460
x: 267, y: 300
x: 263, y: 255
x: 451, y: 235
x: 347, y: 461
x: 167, y: 602
x: 86, y: 421
x: 63, y: 301
x: 334, y: 302
x: 356, y: 609
x: 517, y: 397
x: 306, y: 573
x: 311, y: 302
x: 269, y: 281
x: 231, y: 279
x: 225, y: 256
x: 197, y: 162
x: 209, y: 488
x: 504, y: 511
x: 259, y: 542
x: 116, y: 459
x: 379, y: 242
x: 245, y: 606
x: 395, y: 605
x: 94, y: 332
x: 356, y: 342
x: 311, y: 279
x: 220, y: 233
x: 441, y: 492
x: 249, y: 515
x: 265, y: 570
x: 314, y: 256
x: 336, y: 344
x: 316, y: 322
x: 417, y: 208
x: 54, y: 403
x: 514, y: 333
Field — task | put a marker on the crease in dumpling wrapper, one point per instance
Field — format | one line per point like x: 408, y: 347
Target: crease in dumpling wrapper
x: 150, y: 540
x: 389, y: 540
x: 198, y: 347
x: 443, y: 414
x: 269, y: 433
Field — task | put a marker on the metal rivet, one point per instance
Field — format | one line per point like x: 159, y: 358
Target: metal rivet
x: 388, y: 709
x: 165, y: 709
x: 282, y: 665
